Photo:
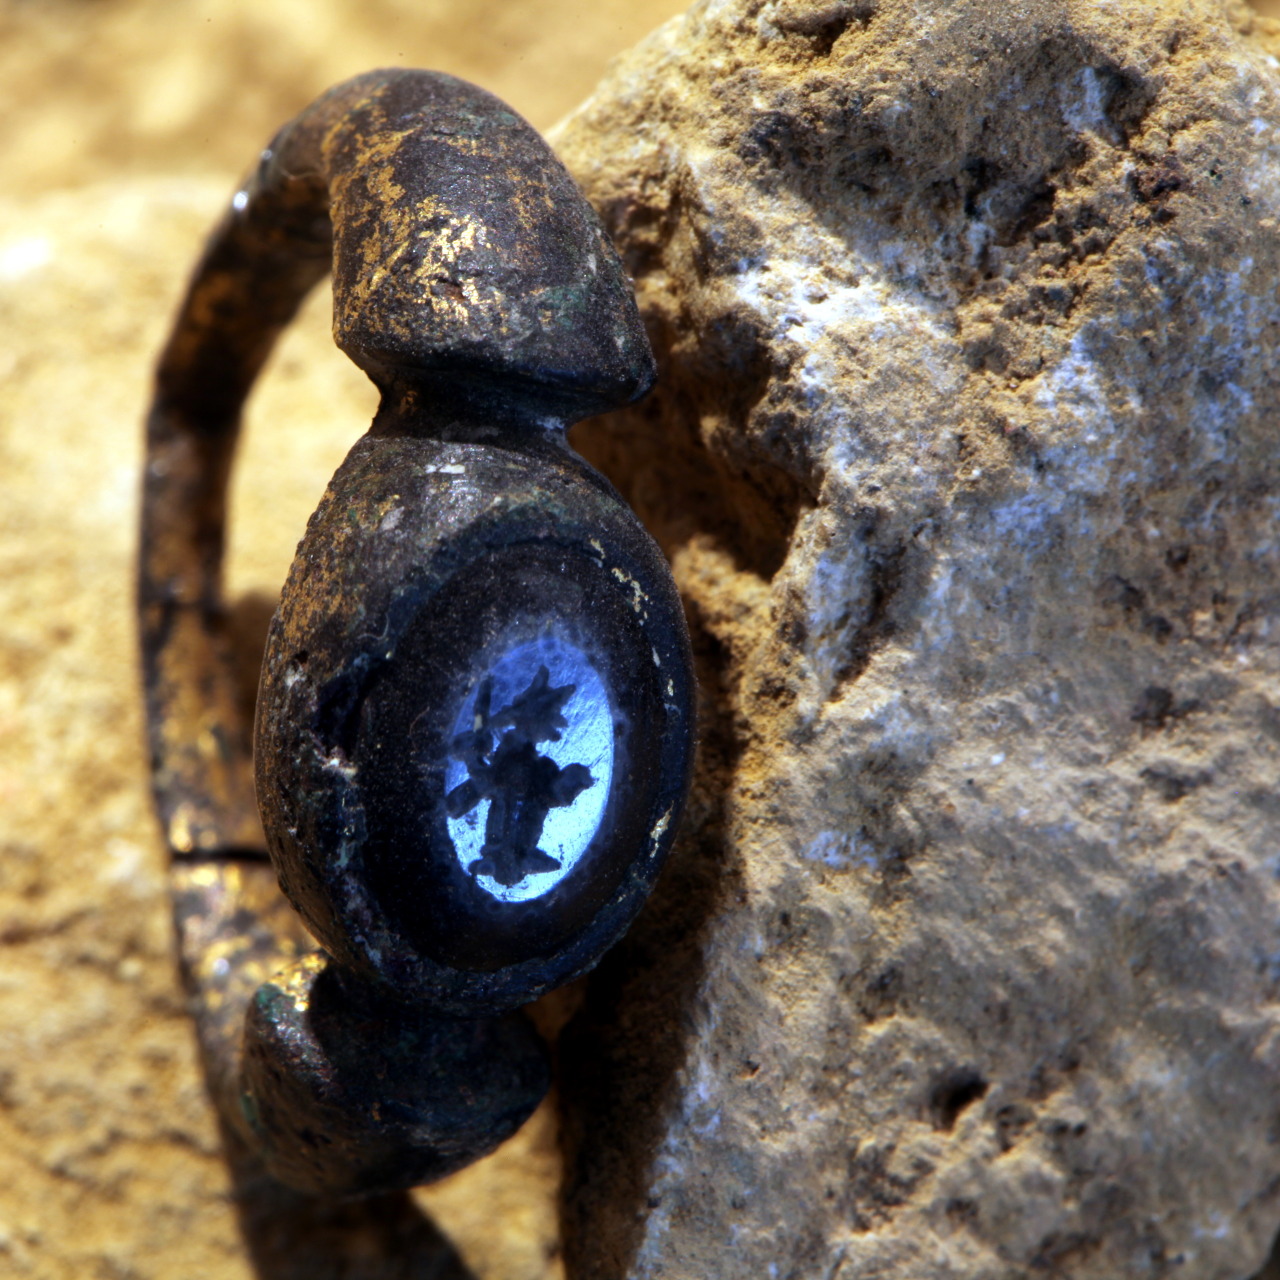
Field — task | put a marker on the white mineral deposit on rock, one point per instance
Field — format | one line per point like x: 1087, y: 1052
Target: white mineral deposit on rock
x: 969, y: 961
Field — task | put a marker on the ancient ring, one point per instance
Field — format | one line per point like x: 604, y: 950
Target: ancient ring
x: 475, y: 718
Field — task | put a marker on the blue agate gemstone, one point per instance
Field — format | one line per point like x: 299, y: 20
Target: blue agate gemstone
x: 530, y: 763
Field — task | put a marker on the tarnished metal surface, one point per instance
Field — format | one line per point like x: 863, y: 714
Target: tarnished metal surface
x: 464, y: 253
x: 349, y: 1090
x: 456, y: 850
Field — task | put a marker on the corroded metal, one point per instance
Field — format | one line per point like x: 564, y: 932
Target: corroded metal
x: 349, y: 1090
x: 474, y: 725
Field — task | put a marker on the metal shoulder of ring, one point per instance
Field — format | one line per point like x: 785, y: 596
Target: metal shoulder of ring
x: 468, y: 273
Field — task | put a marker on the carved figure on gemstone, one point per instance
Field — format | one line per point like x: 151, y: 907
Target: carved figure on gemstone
x: 521, y: 785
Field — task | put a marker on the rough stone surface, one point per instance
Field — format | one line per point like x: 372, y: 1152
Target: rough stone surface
x: 964, y: 452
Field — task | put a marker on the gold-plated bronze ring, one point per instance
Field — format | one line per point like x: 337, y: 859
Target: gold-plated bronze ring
x: 475, y: 718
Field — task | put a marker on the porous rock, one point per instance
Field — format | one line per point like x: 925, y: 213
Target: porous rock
x: 968, y: 964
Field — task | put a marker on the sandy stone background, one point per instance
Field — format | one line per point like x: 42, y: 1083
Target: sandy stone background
x: 127, y: 125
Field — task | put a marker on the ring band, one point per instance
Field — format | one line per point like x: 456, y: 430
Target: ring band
x: 475, y: 722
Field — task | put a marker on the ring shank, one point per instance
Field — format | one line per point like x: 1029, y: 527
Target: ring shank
x: 463, y: 257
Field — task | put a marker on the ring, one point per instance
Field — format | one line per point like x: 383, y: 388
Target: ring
x: 475, y: 721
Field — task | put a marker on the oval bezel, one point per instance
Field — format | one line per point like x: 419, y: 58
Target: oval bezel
x: 413, y: 536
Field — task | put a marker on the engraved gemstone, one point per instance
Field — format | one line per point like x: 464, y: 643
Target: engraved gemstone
x: 529, y: 769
